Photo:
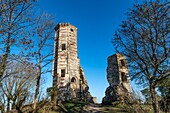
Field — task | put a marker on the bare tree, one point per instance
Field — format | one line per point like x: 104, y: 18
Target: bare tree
x: 43, y: 51
x: 17, y: 87
x: 15, y: 17
x: 145, y: 39
x: 20, y: 30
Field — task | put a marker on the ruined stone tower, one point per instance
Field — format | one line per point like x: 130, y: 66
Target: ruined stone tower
x: 68, y: 76
x: 118, y: 78
x: 117, y: 71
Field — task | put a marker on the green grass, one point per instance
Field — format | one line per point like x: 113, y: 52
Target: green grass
x: 73, y: 107
x: 124, y: 108
x: 118, y: 108
x: 77, y: 107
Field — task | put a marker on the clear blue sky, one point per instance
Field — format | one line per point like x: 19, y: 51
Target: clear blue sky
x: 96, y: 21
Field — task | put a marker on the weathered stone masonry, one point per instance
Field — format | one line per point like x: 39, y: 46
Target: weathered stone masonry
x: 68, y: 76
x: 118, y: 78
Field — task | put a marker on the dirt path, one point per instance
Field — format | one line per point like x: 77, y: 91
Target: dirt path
x: 98, y: 108
x: 94, y: 108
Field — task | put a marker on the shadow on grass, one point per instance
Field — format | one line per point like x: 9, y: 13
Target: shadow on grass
x: 82, y: 107
x: 73, y: 107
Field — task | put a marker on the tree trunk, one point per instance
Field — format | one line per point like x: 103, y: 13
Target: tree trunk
x: 2, y: 108
x: 54, y: 92
x: 8, y: 104
x: 154, y: 98
x: 18, y: 109
x: 5, y: 57
x: 54, y: 96
x: 37, y: 87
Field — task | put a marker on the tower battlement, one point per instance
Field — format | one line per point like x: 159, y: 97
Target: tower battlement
x: 64, y: 25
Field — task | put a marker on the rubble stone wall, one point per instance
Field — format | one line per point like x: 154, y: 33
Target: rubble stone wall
x: 118, y: 78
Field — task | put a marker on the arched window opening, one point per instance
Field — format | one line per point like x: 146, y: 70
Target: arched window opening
x: 73, y: 80
x: 71, y: 30
x: 122, y: 62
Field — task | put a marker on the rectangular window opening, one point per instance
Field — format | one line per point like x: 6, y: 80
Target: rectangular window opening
x: 63, y: 47
x: 63, y: 72
x: 124, y: 77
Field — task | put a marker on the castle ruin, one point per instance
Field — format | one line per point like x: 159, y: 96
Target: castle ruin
x: 68, y: 76
x: 118, y: 78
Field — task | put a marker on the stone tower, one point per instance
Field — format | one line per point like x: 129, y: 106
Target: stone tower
x: 118, y: 78
x: 68, y: 76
